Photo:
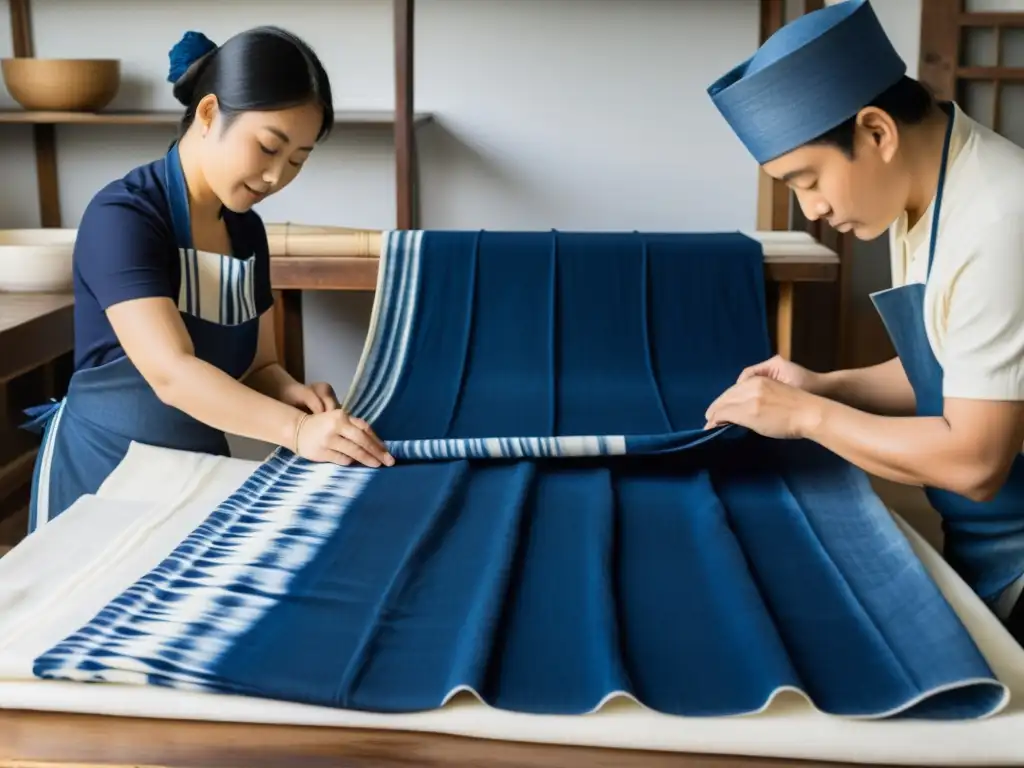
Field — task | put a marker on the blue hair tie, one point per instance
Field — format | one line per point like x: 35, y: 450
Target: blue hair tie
x: 186, y: 52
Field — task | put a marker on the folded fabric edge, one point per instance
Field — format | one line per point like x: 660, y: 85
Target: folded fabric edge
x: 777, y: 697
x: 562, y: 446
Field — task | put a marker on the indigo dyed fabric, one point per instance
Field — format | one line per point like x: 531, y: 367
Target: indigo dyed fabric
x: 491, y: 344
x: 559, y: 530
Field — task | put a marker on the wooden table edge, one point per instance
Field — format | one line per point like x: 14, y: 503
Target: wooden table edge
x: 60, y: 740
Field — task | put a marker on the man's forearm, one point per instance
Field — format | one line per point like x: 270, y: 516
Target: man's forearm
x: 909, y: 450
x: 880, y: 389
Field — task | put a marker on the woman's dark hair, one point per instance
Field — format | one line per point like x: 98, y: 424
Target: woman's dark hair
x: 908, y: 102
x: 261, y: 69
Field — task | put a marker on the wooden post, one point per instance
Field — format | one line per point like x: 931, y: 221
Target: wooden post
x: 288, y: 303
x: 774, y: 200
x: 288, y: 334
x: 405, y: 138
x: 940, y: 46
x: 44, y: 136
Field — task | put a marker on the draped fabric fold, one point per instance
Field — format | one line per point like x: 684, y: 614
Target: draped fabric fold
x: 560, y: 529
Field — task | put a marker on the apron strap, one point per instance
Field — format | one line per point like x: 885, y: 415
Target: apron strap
x: 934, y: 237
x: 177, y: 197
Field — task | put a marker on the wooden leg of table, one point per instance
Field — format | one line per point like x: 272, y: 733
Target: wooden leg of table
x: 288, y: 332
x: 784, y: 321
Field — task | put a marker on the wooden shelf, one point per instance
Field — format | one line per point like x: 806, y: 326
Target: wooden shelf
x: 347, y: 118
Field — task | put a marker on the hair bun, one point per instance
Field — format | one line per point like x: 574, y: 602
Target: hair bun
x: 191, y: 48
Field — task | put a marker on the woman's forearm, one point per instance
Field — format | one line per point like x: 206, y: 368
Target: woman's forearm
x: 271, y: 380
x: 881, y: 389
x: 211, y: 396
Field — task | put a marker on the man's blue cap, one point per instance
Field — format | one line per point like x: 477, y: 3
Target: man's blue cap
x: 807, y: 78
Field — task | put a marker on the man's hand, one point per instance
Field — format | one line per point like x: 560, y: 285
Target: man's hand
x: 766, y: 406
x: 785, y: 371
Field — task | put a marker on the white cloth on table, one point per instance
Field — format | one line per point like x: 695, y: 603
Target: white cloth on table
x: 58, y: 578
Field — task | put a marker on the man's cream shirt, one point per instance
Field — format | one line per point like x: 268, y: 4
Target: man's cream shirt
x: 974, y: 301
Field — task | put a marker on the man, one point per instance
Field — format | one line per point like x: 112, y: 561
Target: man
x: 825, y: 105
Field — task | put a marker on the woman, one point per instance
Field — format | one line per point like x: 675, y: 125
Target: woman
x: 825, y: 106
x: 174, y: 330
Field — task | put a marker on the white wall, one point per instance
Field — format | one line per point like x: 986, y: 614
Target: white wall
x: 550, y: 113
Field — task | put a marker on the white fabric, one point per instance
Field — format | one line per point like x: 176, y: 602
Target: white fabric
x: 974, y: 302
x: 61, y: 575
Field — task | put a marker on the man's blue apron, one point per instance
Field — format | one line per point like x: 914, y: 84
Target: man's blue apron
x: 984, y: 541
x: 87, y: 434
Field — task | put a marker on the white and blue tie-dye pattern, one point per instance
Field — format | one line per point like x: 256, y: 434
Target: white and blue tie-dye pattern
x: 217, y: 287
x: 216, y: 585
x: 510, y: 447
x: 387, y: 346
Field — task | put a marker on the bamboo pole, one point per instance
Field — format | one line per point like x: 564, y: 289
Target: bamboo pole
x: 314, y: 241
x: 309, y: 240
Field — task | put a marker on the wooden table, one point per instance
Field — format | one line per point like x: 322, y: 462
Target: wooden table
x: 85, y: 741
x: 35, y: 329
x: 36, y: 332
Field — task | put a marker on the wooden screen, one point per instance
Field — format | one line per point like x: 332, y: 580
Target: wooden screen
x: 973, y: 51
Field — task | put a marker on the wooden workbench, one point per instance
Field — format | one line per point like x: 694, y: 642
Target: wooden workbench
x: 36, y: 339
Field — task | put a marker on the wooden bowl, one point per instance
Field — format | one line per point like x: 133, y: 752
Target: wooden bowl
x: 36, y: 260
x: 62, y: 85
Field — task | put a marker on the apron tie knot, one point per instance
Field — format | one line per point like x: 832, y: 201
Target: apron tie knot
x: 40, y: 415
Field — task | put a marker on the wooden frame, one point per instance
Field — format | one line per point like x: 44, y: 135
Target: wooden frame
x: 293, y: 271
x: 945, y: 32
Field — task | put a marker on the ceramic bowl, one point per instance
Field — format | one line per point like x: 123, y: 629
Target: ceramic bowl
x: 36, y: 260
x: 62, y: 85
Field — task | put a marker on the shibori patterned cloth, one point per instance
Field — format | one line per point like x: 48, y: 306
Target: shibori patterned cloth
x: 559, y: 530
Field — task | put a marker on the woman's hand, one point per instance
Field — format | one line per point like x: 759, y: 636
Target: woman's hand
x: 333, y: 435
x: 314, y: 398
x: 786, y: 372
